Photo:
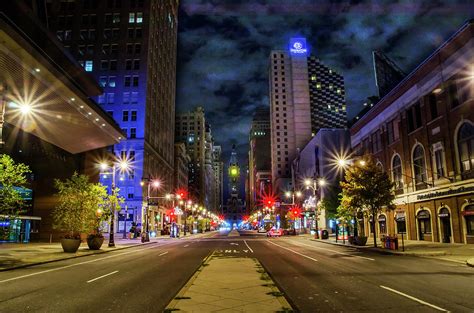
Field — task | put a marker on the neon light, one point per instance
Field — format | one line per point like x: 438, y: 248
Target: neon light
x: 298, y: 46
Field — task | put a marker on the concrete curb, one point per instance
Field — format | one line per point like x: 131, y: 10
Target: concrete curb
x: 470, y: 262
x: 73, y: 257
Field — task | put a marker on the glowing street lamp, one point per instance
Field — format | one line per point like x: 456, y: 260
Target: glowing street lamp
x: 123, y: 166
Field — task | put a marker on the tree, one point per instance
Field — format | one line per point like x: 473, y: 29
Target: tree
x: 80, y: 203
x: 366, y: 188
x: 12, y: 177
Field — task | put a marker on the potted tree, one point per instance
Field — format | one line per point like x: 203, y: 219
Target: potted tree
x: 75, y: 214
x: 102, y: 209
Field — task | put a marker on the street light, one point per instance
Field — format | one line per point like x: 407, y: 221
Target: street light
x: 314, y: 184
x: 155, y: 184
x: 123, y: 166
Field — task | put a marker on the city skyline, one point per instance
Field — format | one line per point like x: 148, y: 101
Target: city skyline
x: 223, y: 50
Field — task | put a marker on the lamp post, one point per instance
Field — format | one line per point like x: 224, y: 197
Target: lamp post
x: 155, y: 184
x: 292, y: 195
x: 313, y: 184
x: 123, y: 166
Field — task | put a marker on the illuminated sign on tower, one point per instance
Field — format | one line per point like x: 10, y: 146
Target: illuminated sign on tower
x: 298, y: 46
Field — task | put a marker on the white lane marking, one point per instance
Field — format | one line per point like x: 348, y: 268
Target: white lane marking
x: 414, y: 299
x: 295, y: 252
x: 354, y: 256
x: 90, y: 281
x: 186, y: 246
x: 166, y: 252
x: 248, y: 246
x: 77, y: 264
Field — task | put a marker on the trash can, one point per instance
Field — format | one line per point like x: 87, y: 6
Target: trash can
x: 324, y: 234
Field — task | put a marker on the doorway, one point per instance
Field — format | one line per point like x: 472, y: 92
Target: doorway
x: 445, y: 223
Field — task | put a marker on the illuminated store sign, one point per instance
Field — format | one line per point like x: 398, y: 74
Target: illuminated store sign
x: 298, y: 46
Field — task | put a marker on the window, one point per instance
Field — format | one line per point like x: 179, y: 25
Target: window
x: 130, y: 193
x: 110, y: 98
x: 469, y: 217
x: 376, y: 143
x: 134, y: 98
x: 112, y: 81
x: 88, y: 66
x: 126, y: 98
x: 116, y: 18
x: 133, y: 132
x: 414, y: 117
x: 139, y: 17
x: 433, y: 103
x: 131, y: 18
x: 132, y: 155
x: 133, y: 116
x: 104, y: 65
x: 138, y: 48
x: 101, y: 99
x: 136, y: 64
x: 108, y: 18
x: 466, y: 149
x: 138, y: 33
x: 128, y: 65
x: 135, y: 81
x: 103, y: 81
x: 419, y: 167
x: 439, y: 160
x: 453, y: 94
x: 113, y: 65
x: 129, y: 48
x: 127, y: 81
x: 382, y: 219
x: 124, y: 116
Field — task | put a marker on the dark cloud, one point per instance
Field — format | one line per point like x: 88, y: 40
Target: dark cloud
x: 224, y: 48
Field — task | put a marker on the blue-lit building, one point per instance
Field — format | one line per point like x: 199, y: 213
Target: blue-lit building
x: 129, y: 46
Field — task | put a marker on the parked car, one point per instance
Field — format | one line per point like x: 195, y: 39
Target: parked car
x: 289, y: 232
x: 275, y: 232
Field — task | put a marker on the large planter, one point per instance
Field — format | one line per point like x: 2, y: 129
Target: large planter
x: 95, y: 242
x: 360, y: 240
x: 70, y: 245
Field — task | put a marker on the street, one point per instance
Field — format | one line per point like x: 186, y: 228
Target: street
x: 315, y: 277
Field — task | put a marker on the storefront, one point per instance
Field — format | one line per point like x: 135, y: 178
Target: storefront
x: 20, y: 229
x: 468, y: 217
x: 423, y: 223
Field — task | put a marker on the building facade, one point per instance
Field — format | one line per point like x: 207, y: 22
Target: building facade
x: 422, y: 134
x: 305, y: 96
x: 181, y: 161
x: 191, y: 129
x: 234, y: 209
x: 259, y: 180
x: 61, y: 132
x: 317, y: 161
x: 129, y: 47
x: 218, y: 167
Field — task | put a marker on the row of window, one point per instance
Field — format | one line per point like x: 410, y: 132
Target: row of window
x: 109, y: 98
x: 70, y: 6
x: 465, y: 147
x: 91, y: 34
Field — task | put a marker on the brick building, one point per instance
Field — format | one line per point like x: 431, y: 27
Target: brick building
x: 422, y: 133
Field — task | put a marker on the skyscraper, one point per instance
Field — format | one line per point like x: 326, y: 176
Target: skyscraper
x: 305, y: 96
x: 218, y: 177
x: 234, y: 209
x: 129, y: 46
x: 259, y: 157
x: 191, y: 129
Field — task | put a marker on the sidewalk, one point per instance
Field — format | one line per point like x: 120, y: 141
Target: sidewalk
x: 229, y: 284
x: 455, y: 252
x: 19, y: 255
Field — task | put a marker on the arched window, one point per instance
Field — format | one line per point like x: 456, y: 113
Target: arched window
x: 419, y: 167
x: 397, y: 174
x: 466, y: 149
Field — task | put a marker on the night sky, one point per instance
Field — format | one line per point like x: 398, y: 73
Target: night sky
x: 224, y: 47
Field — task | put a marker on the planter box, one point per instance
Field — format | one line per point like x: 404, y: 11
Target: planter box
x: 70, y: 245
x: 94, y: 243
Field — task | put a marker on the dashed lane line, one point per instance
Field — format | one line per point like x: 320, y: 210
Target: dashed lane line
x: 291, y: 250
x: 414, y: 299
x: 77, y: 264
x: 94, y: 279
x: 166, y: 252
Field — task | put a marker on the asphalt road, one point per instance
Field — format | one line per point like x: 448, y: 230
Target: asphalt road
x: 315, y: 277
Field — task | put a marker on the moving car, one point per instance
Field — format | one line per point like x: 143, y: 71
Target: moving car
x: 275, y: 232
